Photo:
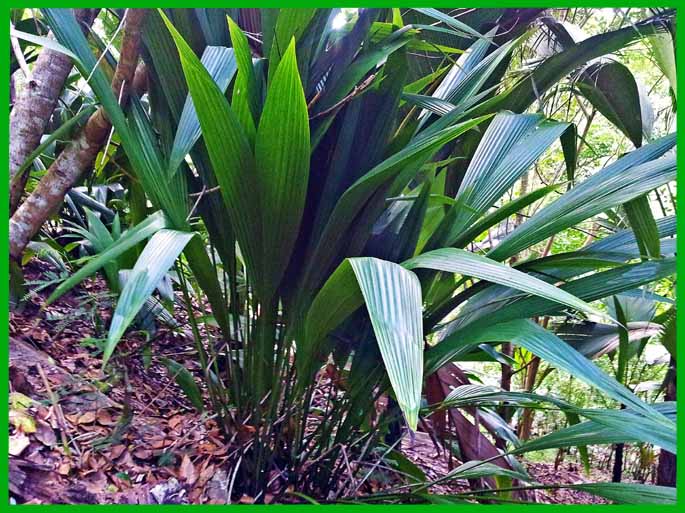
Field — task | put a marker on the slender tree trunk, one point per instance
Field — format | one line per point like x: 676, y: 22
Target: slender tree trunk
x: 617, y: 472
x: 35, y: 105
x: 528, y: 413
x: 505, y: 411
x: 666, y: 471
x: 78, y: 157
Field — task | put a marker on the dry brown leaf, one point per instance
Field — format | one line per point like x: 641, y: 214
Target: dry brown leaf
x: 45, y: 434
x: 86, y: 418
x: 142, y: 454
x: 116, y: 450
x: 104, y: 418
x: 18, y: 442
x: 187, y: 470
x: 246, y: 499
x: 158, y: 443
x: 175, y: 421
x: 64, y: 468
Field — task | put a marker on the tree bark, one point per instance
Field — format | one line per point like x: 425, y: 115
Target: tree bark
x: 35, y: 105
x: 505, y: 411
x: 528, y: 413
x: 617, y: 472
x: 78, y: 157
x: 666, y: 471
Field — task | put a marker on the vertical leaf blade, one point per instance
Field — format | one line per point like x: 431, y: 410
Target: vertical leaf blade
x: 282, y: 160
x: 393, y: 299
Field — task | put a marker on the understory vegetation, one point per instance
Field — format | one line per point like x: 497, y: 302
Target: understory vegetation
x: 374, y: 226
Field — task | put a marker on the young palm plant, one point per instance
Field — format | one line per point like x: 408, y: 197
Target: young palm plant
x: 338, y: 198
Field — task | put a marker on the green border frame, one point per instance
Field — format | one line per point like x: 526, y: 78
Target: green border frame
x: 680, y: 287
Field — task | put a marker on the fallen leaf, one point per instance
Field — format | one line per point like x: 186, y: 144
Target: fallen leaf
x: 246, y: 499
x: 187, y: 470
x: 18, y: 442
x: 22, y: 421
x: 142, y: 454
x: 158, y: 443
x: 175, y: 421
x: 64, y: 468
x: 19, y: 401
x: 45, y: 434
x: 86, y: 418
x: 104, y: 418
x: 116, y: 450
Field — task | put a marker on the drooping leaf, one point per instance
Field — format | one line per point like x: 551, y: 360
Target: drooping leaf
x: 593, y: 340
x: 630, y: 493
x: 128, y: 240
x: 612, y: 89
x: 463, y: 262
x: 153, y: 263
x: 628, y: 178
x: 393, y: 298
x: 553, y: 69
x: 499, y: 304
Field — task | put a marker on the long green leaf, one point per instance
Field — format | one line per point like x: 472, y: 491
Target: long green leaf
x: 510, y: 145
x: 456, y: 260
x: 246, y: 97
x: 282, y: 164
x: 128, y: 240
x: 628, y: 178
x: 642, y: 221
x: 552, y: 349
x: 63, y: 130
x: 630, y: 493
x: 501, y: 213
x: 393, y: 299
x: 357, y: 195
x: 159, y: 255
x: 221, y: 65
x: 593, y: 432
x: 499, y: 304
x: 229, y: 152
x: 185, y: 380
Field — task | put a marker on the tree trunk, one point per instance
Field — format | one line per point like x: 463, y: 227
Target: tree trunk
x: 617, y: 472
x: 78, y: 157
x: 528, y: 413
x: 35, y: 105
x: 666, y: 471
x: 505, y: 381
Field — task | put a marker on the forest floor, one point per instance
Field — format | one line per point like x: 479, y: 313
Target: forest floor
x: 77, y: 436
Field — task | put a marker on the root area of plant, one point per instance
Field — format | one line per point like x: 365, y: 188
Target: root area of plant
x: 81, y: 435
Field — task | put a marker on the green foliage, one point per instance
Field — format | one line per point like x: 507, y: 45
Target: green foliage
x: 299, y: 177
